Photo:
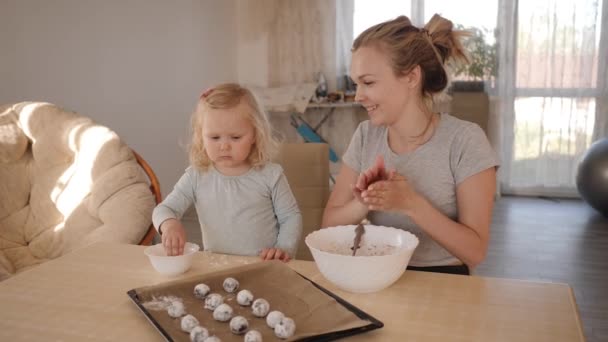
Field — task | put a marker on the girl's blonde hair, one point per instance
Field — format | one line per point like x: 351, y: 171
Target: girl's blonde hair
x: 227, y: 96
x: 408, y: 46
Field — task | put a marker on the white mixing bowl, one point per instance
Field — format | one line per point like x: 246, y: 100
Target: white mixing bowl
x: 381, y: 260
x: 171, y: 265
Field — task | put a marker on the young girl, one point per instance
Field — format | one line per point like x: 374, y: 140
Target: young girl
x: 444, y: 170
x: 243, y: 201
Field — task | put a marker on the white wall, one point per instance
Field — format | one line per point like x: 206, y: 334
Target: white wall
x: 136, y: 66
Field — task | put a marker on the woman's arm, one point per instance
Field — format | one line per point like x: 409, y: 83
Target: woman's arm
x: 343, y: 207
x: 466, y: 239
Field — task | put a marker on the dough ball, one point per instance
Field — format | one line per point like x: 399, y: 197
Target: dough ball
x: 285, y: 329
x: 188, y: 323
x: 213, y: 339
x: 176, y: 309
x: 260, y: 307
x: 198, y: 334
x: 253, y: 336
x: 213, y: 301
x: 230, y: 285
x: 244, y: 297
x: 201, y: 291
x: 222, y: 313
x: 273, y: 318
x: 238, y: 325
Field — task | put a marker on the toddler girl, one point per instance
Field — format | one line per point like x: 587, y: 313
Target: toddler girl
x: 243, y: 201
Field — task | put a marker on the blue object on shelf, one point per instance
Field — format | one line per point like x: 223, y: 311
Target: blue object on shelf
x: 310, y: 135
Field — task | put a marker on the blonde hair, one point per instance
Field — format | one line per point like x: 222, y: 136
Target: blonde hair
x: 409, y: 46
x: 227, y: 96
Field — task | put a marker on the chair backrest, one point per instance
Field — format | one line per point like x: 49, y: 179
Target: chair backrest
x: 307, y: 170
x: 155, y: 188
x: 70, y: 182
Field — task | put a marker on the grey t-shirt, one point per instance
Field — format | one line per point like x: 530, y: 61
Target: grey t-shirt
x: 457, y: 150
x: 238, y: 214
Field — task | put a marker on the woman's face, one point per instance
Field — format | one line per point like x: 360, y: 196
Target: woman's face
x: 384, y: 95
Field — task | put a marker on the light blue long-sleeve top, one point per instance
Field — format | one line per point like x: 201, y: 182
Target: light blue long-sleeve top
x: 238, y: 214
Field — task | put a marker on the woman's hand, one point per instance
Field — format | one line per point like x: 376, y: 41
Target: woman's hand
x: 374, y: 174
x: 274, y: 253
x: 394, y: 194
x: 173, y: 237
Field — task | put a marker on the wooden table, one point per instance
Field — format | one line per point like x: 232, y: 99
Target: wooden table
x: 82, y: 296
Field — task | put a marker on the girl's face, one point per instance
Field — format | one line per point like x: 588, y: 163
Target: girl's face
x: 384, y: 95
x: 228, y: 137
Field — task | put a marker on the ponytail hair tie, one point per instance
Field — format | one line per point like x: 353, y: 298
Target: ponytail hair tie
x: 206, y: 93
x: 427, y: 35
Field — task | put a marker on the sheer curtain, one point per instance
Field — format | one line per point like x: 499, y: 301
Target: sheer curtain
x: 552, y: 90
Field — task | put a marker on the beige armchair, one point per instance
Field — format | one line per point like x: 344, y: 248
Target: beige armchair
x: 66, y: 182
x: 307, y: 170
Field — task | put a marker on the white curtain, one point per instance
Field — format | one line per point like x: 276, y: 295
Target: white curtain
x: 552, y: 90
x: 344, y: 37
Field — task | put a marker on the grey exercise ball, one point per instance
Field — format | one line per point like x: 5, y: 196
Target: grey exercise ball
x: 592, y: 176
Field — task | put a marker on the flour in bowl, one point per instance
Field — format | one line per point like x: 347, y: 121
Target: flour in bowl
x: 364, y: 250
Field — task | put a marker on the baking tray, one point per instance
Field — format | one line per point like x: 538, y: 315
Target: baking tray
x: 321, y: 324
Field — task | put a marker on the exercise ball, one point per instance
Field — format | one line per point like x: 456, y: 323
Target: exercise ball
x: 592, y: 176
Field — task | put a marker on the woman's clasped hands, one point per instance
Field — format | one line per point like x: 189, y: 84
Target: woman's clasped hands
x: 382, y: 190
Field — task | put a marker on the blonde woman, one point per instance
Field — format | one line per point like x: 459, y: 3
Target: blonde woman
x: 408, y: 167
x: 243, y: 201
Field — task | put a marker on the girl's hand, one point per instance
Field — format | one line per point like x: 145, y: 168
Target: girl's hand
x: 274, y: 253
x: 394, y: 194
x: 173, y: 237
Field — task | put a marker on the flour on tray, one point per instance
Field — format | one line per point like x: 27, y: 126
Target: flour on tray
x: 161, y: 303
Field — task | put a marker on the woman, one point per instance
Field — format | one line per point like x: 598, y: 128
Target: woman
x: 440, y: 175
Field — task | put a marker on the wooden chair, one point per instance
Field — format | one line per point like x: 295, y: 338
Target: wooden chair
x: 306, y: 167
x: 155, y: 188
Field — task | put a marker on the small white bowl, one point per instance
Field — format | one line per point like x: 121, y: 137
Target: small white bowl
x: 381, y: 260
x: 171, y: 265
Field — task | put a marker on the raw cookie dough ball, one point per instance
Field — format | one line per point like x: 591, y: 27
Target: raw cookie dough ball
x: 213, y: 339
x: 244, y: 297
x: 260, y: 307
x: 238, y: 325
x: 253, y: 336
x: 188, y: 323
x: 213, y: 301
x: 285, y: 329
x: 230, y: 285
x: 223, y: 313
x: 198, y: 334
x: 273, y: 318
x: 201, y: 291
x: 176, y: 309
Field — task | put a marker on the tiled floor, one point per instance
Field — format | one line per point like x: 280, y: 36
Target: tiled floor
x: 545, y: 240
x: 558, y: 241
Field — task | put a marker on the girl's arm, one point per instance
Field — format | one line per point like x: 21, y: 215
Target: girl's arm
x: 166, y: 215
x: 467, y: 238
x: 343, y: 206
x: 176, y: 203
x: 289, y: 216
